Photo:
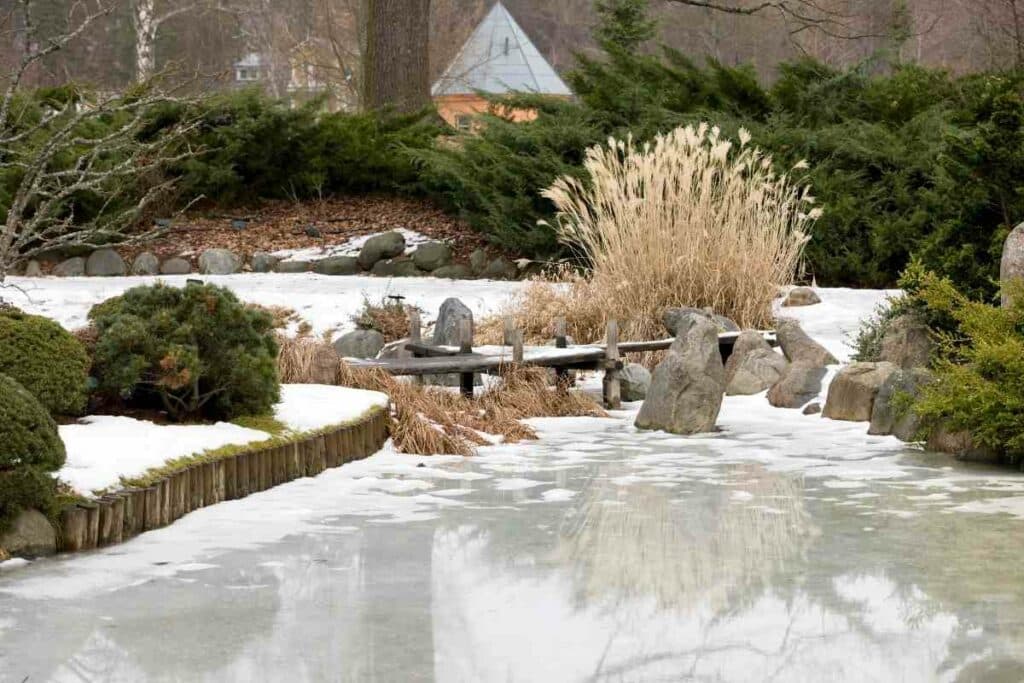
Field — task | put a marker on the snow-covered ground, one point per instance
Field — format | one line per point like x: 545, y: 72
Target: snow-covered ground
x: 103, y: 448
x: 350, y: 248
x: 324, y: 302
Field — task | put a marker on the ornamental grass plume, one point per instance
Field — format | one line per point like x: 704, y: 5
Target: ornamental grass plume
x: 690, y: 219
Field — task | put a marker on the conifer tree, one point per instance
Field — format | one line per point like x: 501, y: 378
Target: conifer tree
x: 624, y: 25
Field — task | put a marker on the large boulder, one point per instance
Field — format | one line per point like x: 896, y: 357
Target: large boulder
x: 800, y: 384
x: 432, y: 255
x: 105, y: 263
x: 379, y: 247
x: 801, y: 296
x: 478, y: 261
x: 219, y: 262
x: 678, y: 320
x: 799, y: 347
x: 456, y: 271
x: 1012, y: 266
x: 449, y: 321
x: 30, y: 536
x: 359, y: 343
x: 890, y: 414
x: 146, y: 263
x: 262, y: 262
x: 402, y: 266
x: 907, y: 342
x: 634, y: 382
x: 758, y: 371
x: 687, y: 387
x: 500, y: 269
x: 851, y: 396
x: 337, y: 265
x: 72, y: 267
x: 175, y: 266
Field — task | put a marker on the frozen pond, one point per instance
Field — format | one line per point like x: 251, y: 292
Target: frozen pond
x: 784, y: 548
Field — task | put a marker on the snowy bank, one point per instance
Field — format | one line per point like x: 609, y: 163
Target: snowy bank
x: 102, y: 449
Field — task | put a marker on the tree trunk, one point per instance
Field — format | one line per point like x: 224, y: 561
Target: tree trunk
x: 145, y: 25
x: 396, y: 63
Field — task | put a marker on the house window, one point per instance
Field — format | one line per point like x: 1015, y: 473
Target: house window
x: 464, y: 123
x: 247, y: 74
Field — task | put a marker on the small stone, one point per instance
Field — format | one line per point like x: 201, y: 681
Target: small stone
x: 337, y: 265
x: 634, y: 381
x: 812, y: 408
x: 146, y: 264
x: 360, y: 343
x: 262, y: 262
x: 457, y: 271
x: 432, y: 255
x: 219, y: 262
x: 175, y: 266
x: 72, y: 267
x: 33, y: 269
x: 292, y: 267
x: 800, y: 385
x: 801, y: 296
x: 478, y: 261
x: 798, y: 347
x: 105, y: 263
x: 851, y: 396
x: 30, y: 536
x: 379, y: 247
x: 500, y: 269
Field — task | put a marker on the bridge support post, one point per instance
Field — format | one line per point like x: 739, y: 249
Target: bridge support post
x: 612, y: 387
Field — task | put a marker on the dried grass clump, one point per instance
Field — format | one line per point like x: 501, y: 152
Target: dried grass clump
x: 390, y: 318
x: 688, y: 220
x: 281, y: 316
x: 306, y: 360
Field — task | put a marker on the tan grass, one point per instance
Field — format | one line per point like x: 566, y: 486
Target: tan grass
x: 390, y: 318
x: 306, y: 360
x: 690, y: 220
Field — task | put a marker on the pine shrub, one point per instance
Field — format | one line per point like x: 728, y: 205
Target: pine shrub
x: 28, y: 435
x: 195, y: 352
x: 46, y: 359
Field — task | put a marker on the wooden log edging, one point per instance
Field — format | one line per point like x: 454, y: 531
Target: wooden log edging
x: 122, y: 515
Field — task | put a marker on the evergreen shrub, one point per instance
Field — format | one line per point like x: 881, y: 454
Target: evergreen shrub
x: 46, y: 359
x: 28, y: 435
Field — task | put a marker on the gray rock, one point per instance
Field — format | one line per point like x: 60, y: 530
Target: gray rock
x: 396, y: 267
x: 146, y: 264
x: 33, y: 269
x: 500, y: 269
x: 801, y: 296
x: 395, y: 349
x: 31, y: 536
x: 1012, y: 266
x: 960, y: 445
x: 291, y: 267
x: 105, y: 263
x: 745, y: 344
x: 432, y: 255
x: 360, y: 343
x: 678, y: 320
x: 758, y: 371
x: 219, y: 262
x: 449, y: 320
x: 635, y: 382
x: 478, y: 260
x: 800, y: 384
x: 687, y: 387
x: 812, y: 408
x: 262, y: 262
x: 337, y: 265
x: 175, y: 266
x: 907, y: 343
x: 456, y: 271
x: 384, y: 246
x: 72, y: 267
x: 890, y: 414
x: 851, y: 396
x: 800, y: 348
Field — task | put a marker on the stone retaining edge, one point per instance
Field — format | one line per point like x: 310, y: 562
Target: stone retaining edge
x: 117, y: 517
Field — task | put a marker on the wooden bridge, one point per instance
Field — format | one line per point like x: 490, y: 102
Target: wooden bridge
x: 466, y: 360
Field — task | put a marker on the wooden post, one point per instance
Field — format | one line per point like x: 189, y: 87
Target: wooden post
x: 415, y: 326
x: 510, y: 329
x: 517, y: 347
x: 561, y: 342
x: 73, y: 521
x: 466, y: 348
x: 612, y: 389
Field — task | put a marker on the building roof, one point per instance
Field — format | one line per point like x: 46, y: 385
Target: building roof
x: 500, y: 58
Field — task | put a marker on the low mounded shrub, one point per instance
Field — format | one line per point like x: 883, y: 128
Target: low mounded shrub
x: 195, y: 352
x: 22, y: 489
x: 28, y: 435
x: 45, y: 359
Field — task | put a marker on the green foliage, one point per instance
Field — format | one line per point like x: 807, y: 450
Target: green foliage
x: 194, y: 352
x: 23, y: 489
x: 979, y: 386
x: 28, y: 435
x: 44, y: 358
x: 623, y: 24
